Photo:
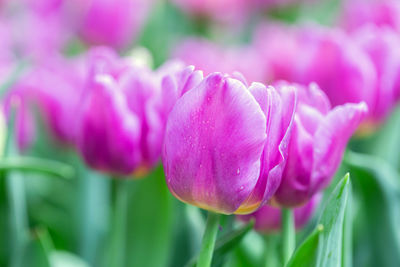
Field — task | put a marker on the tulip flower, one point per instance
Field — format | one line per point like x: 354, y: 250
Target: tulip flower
x: 109, y: 132
x: 210, y: 57
x: 122, y: 121
x: 211, y: 158
x: 220, y: 10
x: 319, y: 138
x: 321, y: 55
x: 268, y: 218
x: 280, y: 48
x: 382, y: 45
x: 111, y: 22
x: 331, y: 54
x: 379, y: 12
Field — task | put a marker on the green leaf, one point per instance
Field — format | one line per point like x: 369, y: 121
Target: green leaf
x: 66, y: 259
x: 305, y: 255
x: 324, y: 246
x: 226, y: 243
x: 330, y: 248
x: 31, y: 164
x: 17, y: 213
x: 38, y: 249
x: 150, y: 216
x: 377, y: 185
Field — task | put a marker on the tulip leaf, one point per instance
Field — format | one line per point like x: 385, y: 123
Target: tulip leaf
x: 32, y: 164
x: 226, y: 243
x: 149, y: 220
x: 305, y: 255
x: 324, y: 245
x: 66, y: 259
x: 332, y: 218
x: 377, y: 185
x: 37, y: 250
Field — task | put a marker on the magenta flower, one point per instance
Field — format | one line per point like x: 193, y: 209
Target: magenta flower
x: 317, y: 144
x: 220, y: 10
x: 379, y: 12
x: 382, y: 45
x: 210, y: 57
x: 330, y: 54
x: 268, y: 218
x: 56, y: 88
x: 210, y: 157
x: 109, y: 132
x: 280, y: 49
x: 123, y: 120
x: 112, y: 22
x: 328, y: 57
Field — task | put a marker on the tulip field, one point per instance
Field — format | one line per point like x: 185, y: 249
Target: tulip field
x: 224, y: 133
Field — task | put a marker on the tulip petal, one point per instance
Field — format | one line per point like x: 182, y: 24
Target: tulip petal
x: 279, y: 111
x: 211, y: 157
x: 110, y: 132
x: 330, y: 141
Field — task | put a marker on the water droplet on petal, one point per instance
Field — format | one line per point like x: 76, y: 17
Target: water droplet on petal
x: 238, y: 171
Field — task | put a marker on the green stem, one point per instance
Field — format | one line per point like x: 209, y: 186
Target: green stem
x: 32, y: 164
x: 18, y: 216
x: 288, y: 235
x: 118, y: 238
x: 270, y: 255
x: 94, y: 203
x: 208, y: 242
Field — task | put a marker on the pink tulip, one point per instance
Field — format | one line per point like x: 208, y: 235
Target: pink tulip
x: 379, y: 12
x: 112, y: 22
x: 123, y: 115
x: 210, y: 157
x: 320, y: 135
x: 220, y: 10
x: 382, y: 45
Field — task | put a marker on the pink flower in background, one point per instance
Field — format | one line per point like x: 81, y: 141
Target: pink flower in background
x: 328, y: 57
x: 123, y: 115
x: 36, y: 36
x: 112, y: 22
x: 379, y: 12
x: 220, y: 10
x: 55, y: 87
x: 211, y: 57
x: 340, y: 68
x: 277, y: 3
x: 382, y: 45
x: 268, y: 218
x: 45, y: 7
x: 278, y: 46
x: 211, y: 159
x: 320, y: 135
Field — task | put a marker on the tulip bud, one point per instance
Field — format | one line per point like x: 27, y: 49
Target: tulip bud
x: 268, y: 218
x: 319, y: 138
x: 210, y: 157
